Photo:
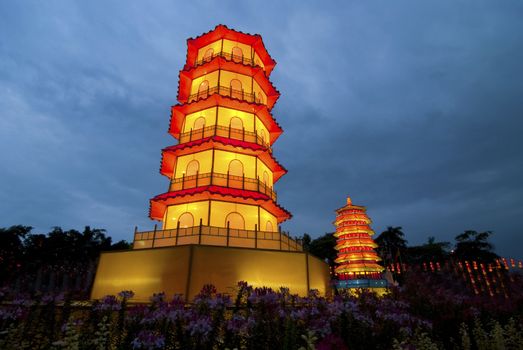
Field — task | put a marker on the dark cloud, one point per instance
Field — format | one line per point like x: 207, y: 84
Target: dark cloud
x: 414, y: 109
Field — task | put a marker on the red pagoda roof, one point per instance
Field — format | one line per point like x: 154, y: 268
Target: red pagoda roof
x: 179, y: 112
x: 159, y: 203
x: 187, y: 76
x: 170, y: 153
x: 222, y: 32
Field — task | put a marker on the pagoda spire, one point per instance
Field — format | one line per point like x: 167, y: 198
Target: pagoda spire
x: 357, y: 261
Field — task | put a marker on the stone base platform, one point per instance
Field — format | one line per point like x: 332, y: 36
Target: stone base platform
x: 185, y: 269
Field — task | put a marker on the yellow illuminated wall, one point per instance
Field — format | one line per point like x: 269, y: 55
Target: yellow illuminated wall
x: 204, y: 159
x: 216, y: 46
x: 224, y: 119
x: 226, y: 77
x: 248, y: 83
x: 185, y: 269
x: 262, y: 168
x: 266, y: 217
x: 219, y: 211
x: 208, y: 114
x: 225, y: 115
x: 212, y: 78
x: 228, y: 45
x: 223, y: 158
x: 199, y: 210
x: 259, y: 92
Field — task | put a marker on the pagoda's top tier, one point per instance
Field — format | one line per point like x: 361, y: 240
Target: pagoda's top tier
x: 247, y: 49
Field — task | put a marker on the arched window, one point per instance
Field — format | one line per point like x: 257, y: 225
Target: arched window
x: 259, y: 99
x: 192, y: 168
x: 199, y: 123
x: 203, y: 89
x: 268, y: 226
x: 266, y: 178
x: 186, y: 220
x: 236, y: 84
x: 236, y: 123
x: 263, y: 136
x: 235, y: 220
x: 207, y: 56
x: 237, y: 54
x: 235, y: 168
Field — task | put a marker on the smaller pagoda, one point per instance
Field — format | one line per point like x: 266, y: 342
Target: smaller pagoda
x: 357, y: 261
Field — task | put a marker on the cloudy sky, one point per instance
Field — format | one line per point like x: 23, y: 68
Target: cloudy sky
x: 414, y: 108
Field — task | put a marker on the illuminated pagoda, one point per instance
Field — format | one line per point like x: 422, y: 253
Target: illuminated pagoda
x: 219, y: 217
x: 357, y: 261
x: 222, y: 171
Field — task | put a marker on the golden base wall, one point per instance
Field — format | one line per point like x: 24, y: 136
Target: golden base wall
x: 185, y: 269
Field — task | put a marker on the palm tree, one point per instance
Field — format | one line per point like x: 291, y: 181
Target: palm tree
x: 391, y: 244
x: 472, y: 245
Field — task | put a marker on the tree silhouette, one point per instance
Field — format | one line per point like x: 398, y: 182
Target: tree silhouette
x: 430, y: 251
x: 391, y: 244
x: 323, y: 247
x: 472, y: 245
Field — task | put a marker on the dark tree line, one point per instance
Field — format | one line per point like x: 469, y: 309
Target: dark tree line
x: 27, y: 257
x: 393, y: 248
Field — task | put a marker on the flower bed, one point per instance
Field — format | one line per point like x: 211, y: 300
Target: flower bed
x: 416, y: 316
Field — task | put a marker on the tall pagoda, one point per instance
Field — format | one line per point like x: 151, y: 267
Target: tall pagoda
x: 219, y: 216
x: 222, y: 171
x: 357, y: 261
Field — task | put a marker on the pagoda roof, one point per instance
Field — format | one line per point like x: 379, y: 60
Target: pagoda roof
x: 159, y: 203
x: 187, y: 76
x: 178, y: 113
x: 169, y: 154
x: 223, y: 32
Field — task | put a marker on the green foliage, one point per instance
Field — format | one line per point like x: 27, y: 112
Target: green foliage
x: 473, y: 245
x: 430, y: 251
x: 27, y: 256
x: 391, y: 244
x: 323, y: 247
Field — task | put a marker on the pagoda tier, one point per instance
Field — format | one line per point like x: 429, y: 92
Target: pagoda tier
x: 220, y: 148
x: 222, y: 171
x: 357, y: 259
x: 221, y: 39
x: 255, y: 87
x: 260, y: 115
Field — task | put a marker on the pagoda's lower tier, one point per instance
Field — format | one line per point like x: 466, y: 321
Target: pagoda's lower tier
x: 216, y: 206
x: 186, y: 269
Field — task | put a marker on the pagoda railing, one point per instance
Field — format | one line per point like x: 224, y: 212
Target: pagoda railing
x: 225, y: 91
x: 224, y: 131
x: 216, y: 236
x: 223, y: 180
x: 229, y: 57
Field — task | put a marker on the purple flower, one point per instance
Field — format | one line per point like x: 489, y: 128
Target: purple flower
x: 158, y: 298
x: 148, y: 340
x: 108, y: 303
x: 237, y: 325
x: 126, y: 294
x: 200, y: 327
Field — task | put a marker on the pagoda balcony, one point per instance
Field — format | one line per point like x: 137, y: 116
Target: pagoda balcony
x: 223, y: 131
x: 229, y: 57
x: 216, y: 236
x: 225, y: 91
x: 223, y: 180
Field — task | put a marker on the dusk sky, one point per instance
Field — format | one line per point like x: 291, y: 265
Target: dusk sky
x: 413, y: 108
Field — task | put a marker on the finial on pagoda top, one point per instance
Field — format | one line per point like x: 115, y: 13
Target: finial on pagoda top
x: 349, y: 201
